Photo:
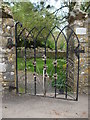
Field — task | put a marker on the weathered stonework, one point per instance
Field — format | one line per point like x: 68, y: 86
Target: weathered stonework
x: 40, y: 53
x: 7, y: 56
x: 81, y: 20
x: 83, y: 38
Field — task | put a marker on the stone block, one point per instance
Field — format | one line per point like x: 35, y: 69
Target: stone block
x: 4, y: 41
x: 2, y: 67
x: 2, y: 50
x: 0, y: 40
x: 0, y: 20
x: 0, y: 76
x: 11, y: 57
x: 6, y: 34
x: 0, y: 60
x: 8, y: 22
x: 8, y: 76
x: 9, y: 67
x: 7, y: 84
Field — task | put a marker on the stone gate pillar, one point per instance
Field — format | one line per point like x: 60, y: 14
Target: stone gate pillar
x: 7, y: 56
x: 80, y: 21
x: 81, y: 29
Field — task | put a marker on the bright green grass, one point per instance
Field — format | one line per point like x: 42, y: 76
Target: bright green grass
x: 39, y: 65
x: 61, y: 68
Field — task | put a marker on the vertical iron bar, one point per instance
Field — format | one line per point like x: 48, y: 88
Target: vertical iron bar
x: 25, y: 68
x: 77, y: 79
x: 35, y: 66
x: 66, y: 69
x: 16, y: 38
x: 45, y: 72
x: 55, y: 67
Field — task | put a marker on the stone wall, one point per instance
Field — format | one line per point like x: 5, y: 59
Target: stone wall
x: 40, y: 52
x: 7, y: 56
x: 0, y: 40
x: 83, y: 38
x: 80, y: 19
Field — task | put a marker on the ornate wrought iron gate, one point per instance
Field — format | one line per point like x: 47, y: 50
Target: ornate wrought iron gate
x: 63, y: 86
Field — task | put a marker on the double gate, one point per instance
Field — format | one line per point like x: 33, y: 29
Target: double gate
x: 38, y: 76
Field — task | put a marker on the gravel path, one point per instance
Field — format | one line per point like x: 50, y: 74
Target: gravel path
x: 26, y: 106
x: 30, y: 83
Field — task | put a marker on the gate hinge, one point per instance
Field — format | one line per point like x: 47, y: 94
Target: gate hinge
x: 10, y: 43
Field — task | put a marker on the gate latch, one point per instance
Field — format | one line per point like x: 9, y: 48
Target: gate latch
x: 10, y: 43
x: 81, y: 51
x: 78, y: 51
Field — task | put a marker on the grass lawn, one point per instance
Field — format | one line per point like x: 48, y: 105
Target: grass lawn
x: 39, y: 65
x: 61, y: 68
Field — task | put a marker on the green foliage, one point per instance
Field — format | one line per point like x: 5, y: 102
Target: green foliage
x: 50, y: 44
x: 60, y: 84
x: 85, y: 6
x: 30, y: 17
x: 62, y: 45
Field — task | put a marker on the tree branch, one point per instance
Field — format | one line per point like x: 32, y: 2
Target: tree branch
x: 87, y: 7
x: 65, y: 17
x: 58, y: 10
x: 63, y: 22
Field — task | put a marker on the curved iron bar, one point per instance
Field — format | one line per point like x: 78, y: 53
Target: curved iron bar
x: 24, y: 39
x: 25, y: 65
x: 67, y: 64
x: 18, y: 23
x: 77, y: 47
x: 22, y: 31
x: 67, y: 26
x: 46, y: 59
x: 16, y: 82
x: 34, y: 40
x: 55, y: 54
x: 72, y: 31
x: 34, y: 54
x: 18, y: 36
x: 42, y: 30
x: 32, y: 35
x: 52, y: 33
x: 31, y: 31
x: 35, y: 60
x: 69, y: 36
